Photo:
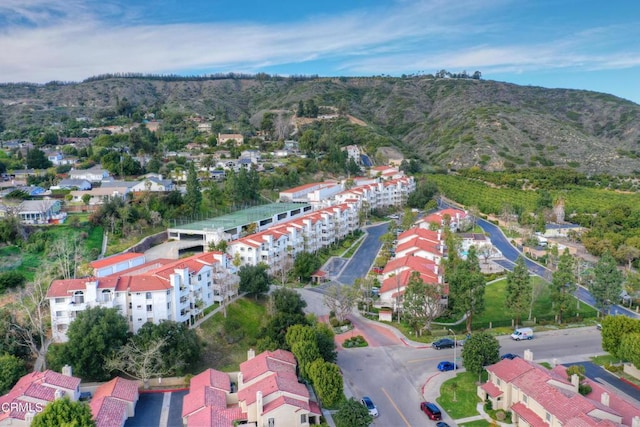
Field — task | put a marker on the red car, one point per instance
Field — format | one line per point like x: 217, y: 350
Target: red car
x: 377, y: 270
x: 432, y: 411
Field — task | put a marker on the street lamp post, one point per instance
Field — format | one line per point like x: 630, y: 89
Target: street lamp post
x: 455, y: 344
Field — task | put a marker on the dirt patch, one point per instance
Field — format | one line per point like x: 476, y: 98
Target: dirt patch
x: 356, y: 121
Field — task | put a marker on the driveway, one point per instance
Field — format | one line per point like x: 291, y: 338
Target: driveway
x: 162, y: 409
x: 361, y: 261
x: 604, y: 377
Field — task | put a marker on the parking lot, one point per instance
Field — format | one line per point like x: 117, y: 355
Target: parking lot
x: 163, y: 409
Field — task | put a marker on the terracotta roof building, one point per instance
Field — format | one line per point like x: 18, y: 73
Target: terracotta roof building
x: 114, y: 401
x: 177, y: 290
x: 266, y: 392
x: 33, y: 392
x: 539, y: 397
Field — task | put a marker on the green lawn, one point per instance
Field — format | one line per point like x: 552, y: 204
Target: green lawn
x: 466, y: 395
x: 227, y: 340
x: 479, y: 423
x: 496, y: 314
x: 496, y: 308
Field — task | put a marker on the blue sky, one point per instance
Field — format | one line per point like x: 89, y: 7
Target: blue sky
x: 580, y: 44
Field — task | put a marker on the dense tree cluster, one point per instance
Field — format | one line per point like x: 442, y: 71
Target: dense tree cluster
x: 100, y: 344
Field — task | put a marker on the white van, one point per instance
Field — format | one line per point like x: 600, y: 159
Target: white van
x: 522, y: 334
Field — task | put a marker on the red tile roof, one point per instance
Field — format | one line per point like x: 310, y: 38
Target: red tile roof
x: 268, y: 361
x: 108, y: 411
x: 507, y: 370
x: 211, y: 378
x: 214, y: 417
x: 203, y: 397
x: 416, y: 263
x: 491, y: 389
x: 420, y: 244
x: 280, y: 382
x: 528, y: 415
x: 37, y: 387
x: 287, y: 400
x: 423, y: 233
x: 401, y: 280
x: 64, y: 288
x: 119, y: 388
x: 115, y: 259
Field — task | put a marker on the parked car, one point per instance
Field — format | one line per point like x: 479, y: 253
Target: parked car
x: 446, y: 366
x: 377, y: 270
x: 599, y: 326
x: 509, y: 356
x: 443, y: 343
x: 366, y: 401
x: 432, y: 411
x: 441, y: 424
x: 85, y: 396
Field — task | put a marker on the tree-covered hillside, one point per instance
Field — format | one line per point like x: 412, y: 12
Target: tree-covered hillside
x: 447, y: 123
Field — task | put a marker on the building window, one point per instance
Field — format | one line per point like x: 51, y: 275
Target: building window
x: 525, y: 399
x: 148, y: 295
x: 199, y: 277
x: 548, y: 417
x: 139, y: 319
x: 149, y: 307
x: 498, y: 381
x: 168, y: 306
x: 303, y: 418
x: 139, y: 307
x: 130, y: 307
x: 59, y: 300
x: 272, y: 422
x: 58, y: 314
x: 168, y: 291
x: 78, y: 297
x: 138, y: 293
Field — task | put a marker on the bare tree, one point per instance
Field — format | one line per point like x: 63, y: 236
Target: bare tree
x: 142, y: 362
x: 485, y: 251
x: 32, y: 314
x: 67, y: 254
x: 228, y: 285
x: 282, y: 126
x: 341, y: 299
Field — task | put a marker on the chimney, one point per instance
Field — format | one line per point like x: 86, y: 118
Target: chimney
x: 575, y: 381
x: 240, y: 379
x: 58, y: 394
x: 604, y: 399
x: 251, y: 353
x: 528, y: 355
x: 259, y: 407
x: 67, y: 370
x: 635, y: 422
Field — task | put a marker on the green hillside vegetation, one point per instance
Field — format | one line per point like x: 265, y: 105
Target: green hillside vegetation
x: 612, y: 217
x: 447, y: 123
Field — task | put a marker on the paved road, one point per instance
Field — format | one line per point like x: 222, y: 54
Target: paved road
x: 361, y: 261
x: 602, y: 376
x: 511, y: 254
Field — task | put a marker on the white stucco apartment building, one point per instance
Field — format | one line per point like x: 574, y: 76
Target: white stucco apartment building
x: 177, y: 290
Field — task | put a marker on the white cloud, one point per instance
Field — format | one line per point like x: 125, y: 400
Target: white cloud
x: 70, y: 40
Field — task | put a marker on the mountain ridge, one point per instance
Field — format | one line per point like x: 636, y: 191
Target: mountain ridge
x: 447, y: 123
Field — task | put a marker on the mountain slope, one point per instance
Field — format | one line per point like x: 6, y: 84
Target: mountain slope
x: 452, y: 123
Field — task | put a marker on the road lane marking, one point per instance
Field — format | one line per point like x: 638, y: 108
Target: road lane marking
x: 396, y: 407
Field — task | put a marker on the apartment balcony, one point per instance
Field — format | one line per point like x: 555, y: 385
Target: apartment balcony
x: 76, y: 306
